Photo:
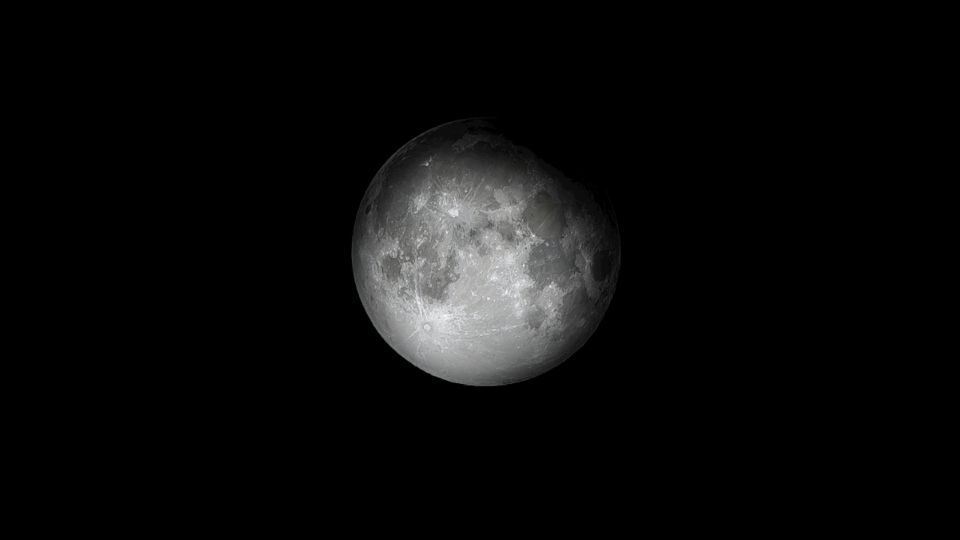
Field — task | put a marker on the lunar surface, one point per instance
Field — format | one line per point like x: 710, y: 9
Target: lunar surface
x: 478, y: 262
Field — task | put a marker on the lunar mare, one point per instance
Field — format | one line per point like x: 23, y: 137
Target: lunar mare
x: 478, y: 262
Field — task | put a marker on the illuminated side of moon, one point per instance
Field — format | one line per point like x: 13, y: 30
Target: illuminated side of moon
x: 479, y: 263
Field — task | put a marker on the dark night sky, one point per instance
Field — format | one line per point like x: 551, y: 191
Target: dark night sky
x: 229, y: 152
x: 268, y: 168
x: 666, y: 342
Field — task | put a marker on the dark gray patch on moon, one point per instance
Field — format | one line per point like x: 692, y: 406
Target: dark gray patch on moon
x: 547, y: 263
x: 535, y: 317
x: 602, y: 264
x: 575, y: 306
x: 544, y: 216
x: 507, y: 230
x: 391, y: 268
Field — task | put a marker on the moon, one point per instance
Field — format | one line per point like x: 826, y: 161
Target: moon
x: 478, y: 262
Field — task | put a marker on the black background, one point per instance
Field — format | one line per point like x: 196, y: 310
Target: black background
x: 215, y: 351
x: 680, y: 339
x: 220, y: 352
x: 258, y: 161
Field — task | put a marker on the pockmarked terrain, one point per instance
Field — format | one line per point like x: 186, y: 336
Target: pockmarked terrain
x: 478, y: 262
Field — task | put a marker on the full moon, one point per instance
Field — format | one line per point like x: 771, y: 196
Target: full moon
x: 477, y: 261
